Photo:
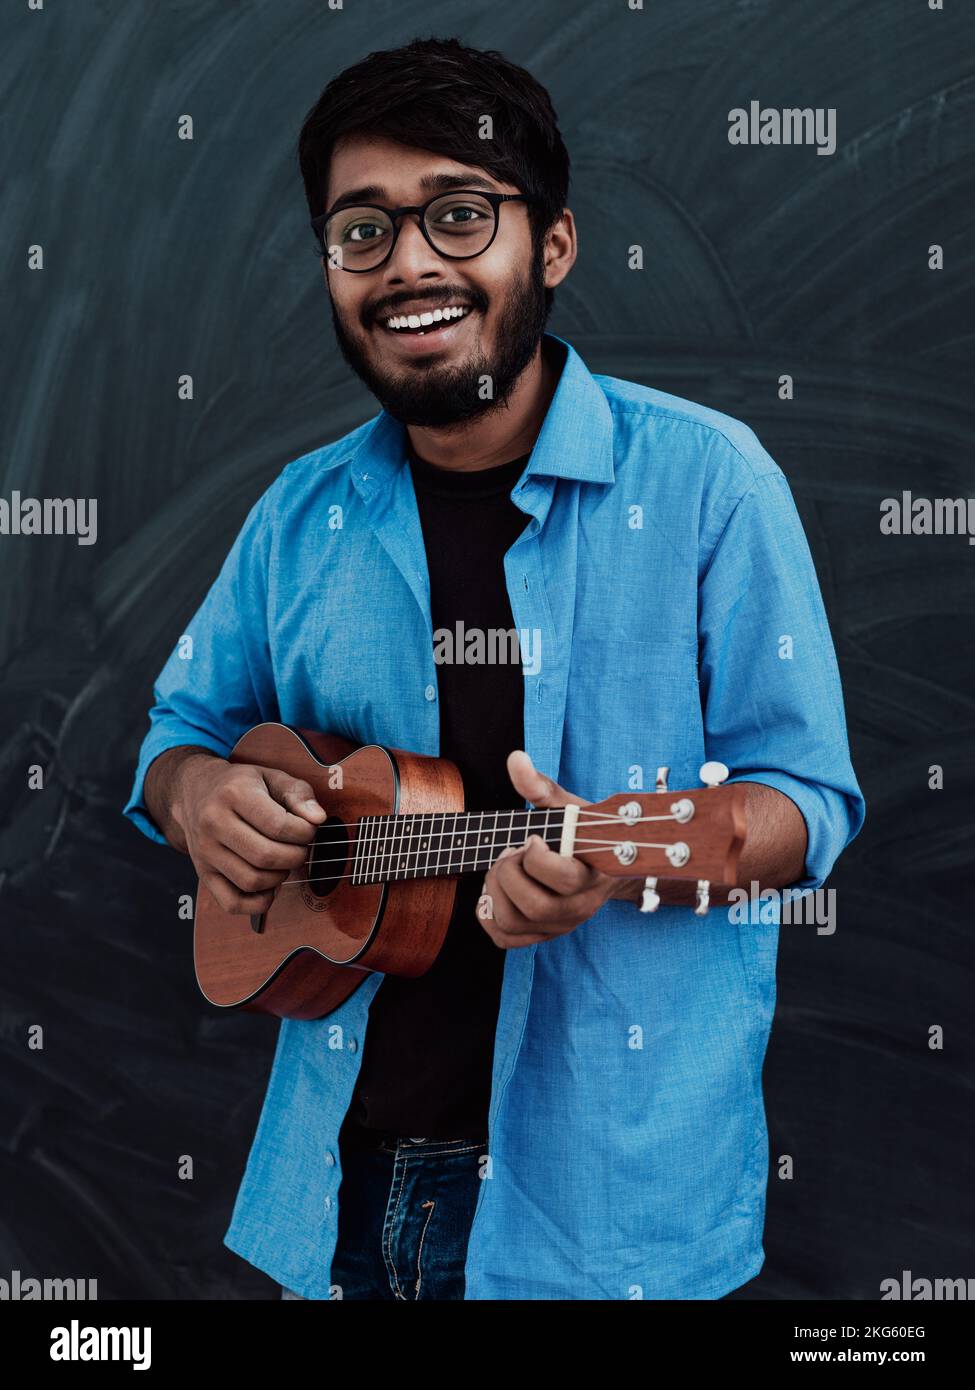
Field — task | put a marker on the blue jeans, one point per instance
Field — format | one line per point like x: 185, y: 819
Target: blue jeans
x: 405, y: 1212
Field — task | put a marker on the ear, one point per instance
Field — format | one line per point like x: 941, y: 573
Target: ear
x: 560, y: 249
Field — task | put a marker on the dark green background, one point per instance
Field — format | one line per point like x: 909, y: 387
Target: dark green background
x: 165, y: 257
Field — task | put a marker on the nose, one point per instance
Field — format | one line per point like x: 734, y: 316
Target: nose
x: 413, y: 257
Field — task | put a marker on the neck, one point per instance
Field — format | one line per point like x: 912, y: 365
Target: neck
x: 442, y: 844
x: 496, y: 435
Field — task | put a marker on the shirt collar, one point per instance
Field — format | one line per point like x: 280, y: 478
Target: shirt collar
x: 575, y: 441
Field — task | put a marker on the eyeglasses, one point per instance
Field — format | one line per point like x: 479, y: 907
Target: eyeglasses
x: 459, y: 225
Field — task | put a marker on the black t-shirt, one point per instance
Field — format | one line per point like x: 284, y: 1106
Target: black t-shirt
x: 426, y: 1065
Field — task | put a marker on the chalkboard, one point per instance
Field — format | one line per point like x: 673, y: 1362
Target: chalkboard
x: 847, y: 272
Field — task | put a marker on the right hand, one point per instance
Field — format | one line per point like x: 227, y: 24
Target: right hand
x: 246, y: 827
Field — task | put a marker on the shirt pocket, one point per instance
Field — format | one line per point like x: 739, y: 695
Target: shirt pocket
x: 635, y: 703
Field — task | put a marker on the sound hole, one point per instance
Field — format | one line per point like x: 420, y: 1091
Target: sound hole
x: 328, y: 858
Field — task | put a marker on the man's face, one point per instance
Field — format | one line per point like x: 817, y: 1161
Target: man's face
x: 438, y: 378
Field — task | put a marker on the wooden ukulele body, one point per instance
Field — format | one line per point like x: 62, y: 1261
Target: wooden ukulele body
x: 323, y: 935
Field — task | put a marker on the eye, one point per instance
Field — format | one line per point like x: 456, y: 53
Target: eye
x: 362, y: 231
x: 460, y: 214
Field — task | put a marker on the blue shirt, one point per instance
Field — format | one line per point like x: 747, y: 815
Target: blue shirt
x: 665, y: 573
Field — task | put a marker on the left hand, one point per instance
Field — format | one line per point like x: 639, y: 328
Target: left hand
x: 531, y: 893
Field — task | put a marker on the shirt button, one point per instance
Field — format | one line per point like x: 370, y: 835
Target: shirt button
x: 328, y: 1204
x: 330, y: 1159
x: 431, y: 692
x: 352, y: 1044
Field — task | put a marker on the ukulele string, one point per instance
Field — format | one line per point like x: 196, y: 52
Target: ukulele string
x: 377, y: 846
x: 591, y: 819
x: 603, y: 846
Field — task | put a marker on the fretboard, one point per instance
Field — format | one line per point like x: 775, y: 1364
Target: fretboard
x: 441, y: 844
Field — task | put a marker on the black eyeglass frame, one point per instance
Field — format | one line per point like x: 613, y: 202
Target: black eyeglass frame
x: 319, y: 223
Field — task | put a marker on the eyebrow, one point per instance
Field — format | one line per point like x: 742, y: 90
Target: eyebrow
x: 430, y: 183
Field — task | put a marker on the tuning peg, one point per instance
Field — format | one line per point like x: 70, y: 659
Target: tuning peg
x: 662, y: 774
x: 703, y: 897
x: 651, y: 898
x: 713, y: 774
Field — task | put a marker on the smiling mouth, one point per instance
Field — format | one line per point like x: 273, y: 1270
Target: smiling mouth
x: 427, y: 323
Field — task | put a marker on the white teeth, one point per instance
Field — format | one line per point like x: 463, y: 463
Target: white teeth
x: 401, y: 321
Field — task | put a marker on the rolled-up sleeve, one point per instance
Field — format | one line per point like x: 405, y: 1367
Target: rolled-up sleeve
x: 771, y: 698
x: 217, y: 681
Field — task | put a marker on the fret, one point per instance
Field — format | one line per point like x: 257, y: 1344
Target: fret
x: 401, y: 846
x: 417, y: 842
x: 360, y: 850
x: 452, y: 847
x: 438, y: 843
x: 433, y: 852
x: 487, y: 843
x: 457, y: 831
x: 377, y: 846
x: 483, y: 843
x: 392, y: 847
x: 380, y: 848
x: 426, y: 844
x: 412, y: 867
x: 371, y: 849
x: 416, y: 839
x: 367, y: 822
x: 476, y: 837
x: 395, y: 833
x: 468, y: 833
x: 355, y: 857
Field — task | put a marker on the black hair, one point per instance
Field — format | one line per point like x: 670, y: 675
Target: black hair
x: 431, y: 94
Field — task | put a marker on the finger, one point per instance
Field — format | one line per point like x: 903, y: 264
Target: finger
x: 261, y: 805
x: 534, y: 904
x: 535, y: 786
x: 244, y: 876
x: 258, y: 850
x: 508, y: 924
x: 552, y: 910
x: 560, y: 872
x: 230, y: 898
x: 295, y: 795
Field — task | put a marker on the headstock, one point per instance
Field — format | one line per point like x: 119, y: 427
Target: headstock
x: 663, y: 834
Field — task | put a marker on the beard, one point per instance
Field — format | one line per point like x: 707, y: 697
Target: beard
x: 436, y: 395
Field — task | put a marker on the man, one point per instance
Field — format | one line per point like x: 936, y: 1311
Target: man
x: 568, y: 1104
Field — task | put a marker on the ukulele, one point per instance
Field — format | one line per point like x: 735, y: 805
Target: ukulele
x: 377, y: 888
